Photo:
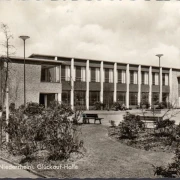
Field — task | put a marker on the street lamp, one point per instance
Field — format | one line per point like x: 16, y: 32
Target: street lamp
x: 159, y: 56
x: 24, y: 39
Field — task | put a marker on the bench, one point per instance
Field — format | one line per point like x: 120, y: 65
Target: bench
x: 150, y: 121
x: 86, y: 118
x: 155, y: 111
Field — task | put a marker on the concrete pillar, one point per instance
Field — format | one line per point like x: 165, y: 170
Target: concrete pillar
x: 139, y: 84
x: 102, y: 81
x: 115, y: 82
x: 72, y: 83
x: 45, y: 100
x: 127, y: 86
x: 170, y: 86
x: 87, y: 84
x: 150, y: 85
x: 160, y: 94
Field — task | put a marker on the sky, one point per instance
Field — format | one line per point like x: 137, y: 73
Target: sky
x: 113, y: 30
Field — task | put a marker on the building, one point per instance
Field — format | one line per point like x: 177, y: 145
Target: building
x: 80, y: 81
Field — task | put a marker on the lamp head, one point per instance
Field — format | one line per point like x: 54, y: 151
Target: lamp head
x: 159, y: 55
x: 24, y: 37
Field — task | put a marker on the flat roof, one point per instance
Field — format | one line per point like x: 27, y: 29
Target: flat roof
x: 63, y: 57
x: 14, y: 59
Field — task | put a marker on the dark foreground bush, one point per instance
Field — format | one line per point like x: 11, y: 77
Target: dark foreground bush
x: 35, y: 128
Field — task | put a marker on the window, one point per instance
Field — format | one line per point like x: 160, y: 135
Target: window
x: 66, y: 97
x: 108, y: 75
x: 165, y: 79
x: 80, y: 73
x: 121, y: 76
x: 155, y: 78
x: 133, y: 98
x: 50, y: 73
x: 79, y: 98
x: 121, y: 97
x: 133, y: 77
x: 94, y: 74
x: 108, y: 98
x: 144, y: 77
x: 144, y: 97
x: 65, y: 73
x: 94, y: 96
x: 155, y: 98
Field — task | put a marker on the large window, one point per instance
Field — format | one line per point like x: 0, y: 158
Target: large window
x: 144, y: 97
x: 133, y: 98
x: 155, y: 98
x: 108, y: 75
x: 121, y: 97
x: 94, y: 74
x: 80, y: 73
x: 94, y: 96
x: 50, y: 73
x: 108, y: 98
x: 165, y: 79
x: 121, y: 76
x: 79, y: 98
x: 133, y: 77
x: 144, y: 77
x: 165, y: 97
x: 65, y: 73
x: 66, y: 97
x: 155, y: 78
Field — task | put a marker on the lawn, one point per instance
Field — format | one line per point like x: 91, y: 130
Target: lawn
x: 107, y: 158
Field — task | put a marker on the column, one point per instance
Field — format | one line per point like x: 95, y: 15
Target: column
x: 170, y: 87
x: 150, y: 86
x: 87, y: 84
x: 115, y: 82
x: 160, y: 94
x: 102, y: 81
x: 127, y: 86
x: 72, y: 83
x: 139, y: 84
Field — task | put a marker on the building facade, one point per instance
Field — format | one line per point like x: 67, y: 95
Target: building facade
x: 83, y: 82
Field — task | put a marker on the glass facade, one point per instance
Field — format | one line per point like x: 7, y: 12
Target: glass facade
x: 80, y: 98
x: 155, y: 98
x: 66, y: 97
x: 108, y: 98
x: 121, y: 97
x: 144, y: 97
x: 50, y: 73
x: 133, y: 98
x: 94, y: 96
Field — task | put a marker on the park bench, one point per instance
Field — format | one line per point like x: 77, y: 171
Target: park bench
x: 150, y: 121
x: 86, y: 118
x: 155, y: 111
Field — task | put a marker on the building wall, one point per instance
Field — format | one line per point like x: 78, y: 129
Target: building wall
x: 34, y: 86
x: 175, y: 89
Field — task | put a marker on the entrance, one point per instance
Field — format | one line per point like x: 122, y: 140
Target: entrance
x: 46, y: 99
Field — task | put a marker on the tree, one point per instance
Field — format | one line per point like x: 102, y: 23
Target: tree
x: 9, y: 50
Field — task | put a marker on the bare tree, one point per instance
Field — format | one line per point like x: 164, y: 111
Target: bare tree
x: 5, y: 60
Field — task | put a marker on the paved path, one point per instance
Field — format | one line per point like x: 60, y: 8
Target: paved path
x: 14, y: 173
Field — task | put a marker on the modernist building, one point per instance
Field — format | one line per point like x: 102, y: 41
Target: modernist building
x: 82, y: 81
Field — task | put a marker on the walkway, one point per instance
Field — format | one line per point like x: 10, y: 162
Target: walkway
x: 14, y: 173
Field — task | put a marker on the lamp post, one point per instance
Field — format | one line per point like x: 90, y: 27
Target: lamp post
x: 24, y: 39
x: 159, y: 56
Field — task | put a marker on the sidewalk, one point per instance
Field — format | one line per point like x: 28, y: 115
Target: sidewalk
x: 14, y: 173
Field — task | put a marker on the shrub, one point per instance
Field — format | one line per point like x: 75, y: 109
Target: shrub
x: 130, y: 126
x: 144, y: 104
x: 172, y: 170
x: 99, y: 105
x: 31, y: 130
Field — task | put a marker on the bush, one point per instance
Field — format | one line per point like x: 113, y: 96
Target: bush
x: 144, y: 104
x: 130, y: 126
x: 31, y: 130
x: 172, y: 170
x: 99, y: 105
x: 118, y: 106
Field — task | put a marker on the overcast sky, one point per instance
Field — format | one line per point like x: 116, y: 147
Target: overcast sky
x: 124, y: 31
